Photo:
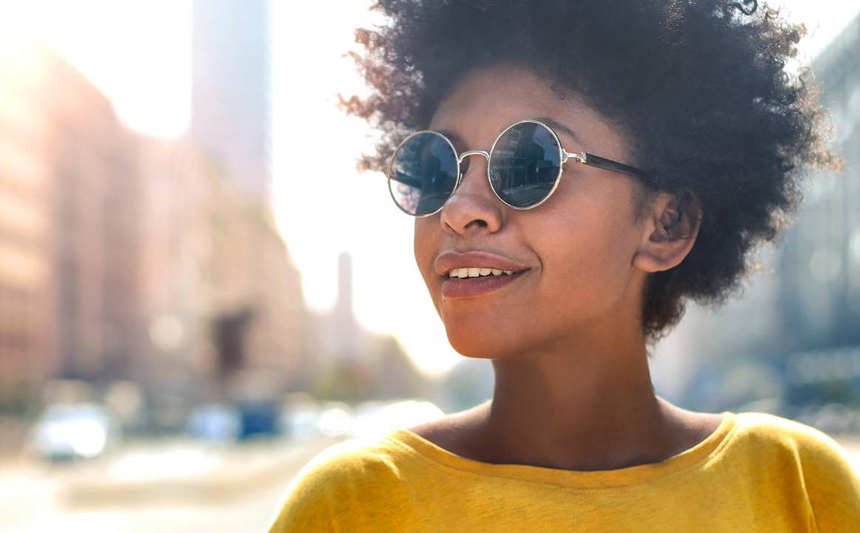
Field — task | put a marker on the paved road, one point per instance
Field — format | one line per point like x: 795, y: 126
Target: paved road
x: 177, y: 488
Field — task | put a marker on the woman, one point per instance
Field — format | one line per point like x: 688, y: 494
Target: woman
x: 576, y: 170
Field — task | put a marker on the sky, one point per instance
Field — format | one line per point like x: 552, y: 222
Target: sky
x: 139, y: 54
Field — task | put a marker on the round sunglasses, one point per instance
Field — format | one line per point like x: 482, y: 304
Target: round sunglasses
x: 524, y: 167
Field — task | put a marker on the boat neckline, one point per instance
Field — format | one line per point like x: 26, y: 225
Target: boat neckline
x: 700, y: 453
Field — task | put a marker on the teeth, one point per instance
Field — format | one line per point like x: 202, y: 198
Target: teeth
x: 477, y: 272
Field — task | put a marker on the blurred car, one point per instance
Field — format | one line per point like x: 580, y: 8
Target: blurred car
x: 215, y: 422
x: 335, y: 419
x: 301, y: 422
x: 259, y: 418
x: 75, y: 431
x: 834, y: 418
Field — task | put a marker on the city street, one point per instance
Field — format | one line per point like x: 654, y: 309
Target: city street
x: 168, y: 488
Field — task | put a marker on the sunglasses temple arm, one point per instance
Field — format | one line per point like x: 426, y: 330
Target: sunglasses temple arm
x: 608, y: 164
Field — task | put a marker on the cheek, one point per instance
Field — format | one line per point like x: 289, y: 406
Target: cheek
x: 583, y: 263
x: 423, y: 248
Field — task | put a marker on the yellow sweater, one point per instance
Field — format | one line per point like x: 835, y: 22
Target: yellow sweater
x: 756, y: 473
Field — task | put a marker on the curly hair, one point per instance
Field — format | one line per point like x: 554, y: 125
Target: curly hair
x: 698, y: 88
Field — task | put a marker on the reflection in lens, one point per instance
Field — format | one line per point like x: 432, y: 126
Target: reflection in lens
x: 423, y: 173
x: 525, y: 164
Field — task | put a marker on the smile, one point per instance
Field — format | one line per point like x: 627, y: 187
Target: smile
x: 472, y: 287
x: 475, y: 272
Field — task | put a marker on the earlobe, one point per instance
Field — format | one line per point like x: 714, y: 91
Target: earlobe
x: 646, y: 261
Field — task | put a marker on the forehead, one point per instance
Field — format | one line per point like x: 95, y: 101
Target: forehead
x: 486, y: 101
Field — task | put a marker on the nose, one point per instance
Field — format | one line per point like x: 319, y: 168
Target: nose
x: 473, y: 203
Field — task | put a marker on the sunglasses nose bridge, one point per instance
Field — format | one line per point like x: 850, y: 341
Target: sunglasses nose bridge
x: 464, y: 155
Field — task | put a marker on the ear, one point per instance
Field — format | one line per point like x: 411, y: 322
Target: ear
x: 668, y: 232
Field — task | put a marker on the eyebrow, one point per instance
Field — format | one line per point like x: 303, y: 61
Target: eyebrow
x: 454, y: 138
x: 561, y: 127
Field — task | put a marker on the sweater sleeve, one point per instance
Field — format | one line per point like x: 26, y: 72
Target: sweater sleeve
x: 833, y: 485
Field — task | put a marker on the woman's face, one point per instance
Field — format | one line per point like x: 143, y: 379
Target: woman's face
x: 578, y: 245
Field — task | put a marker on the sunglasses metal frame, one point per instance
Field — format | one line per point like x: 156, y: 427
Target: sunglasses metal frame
x: 581, y: 157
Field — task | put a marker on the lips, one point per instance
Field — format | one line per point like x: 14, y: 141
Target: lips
x: 453, y: 259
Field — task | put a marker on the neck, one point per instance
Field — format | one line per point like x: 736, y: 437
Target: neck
x: 576, y: 408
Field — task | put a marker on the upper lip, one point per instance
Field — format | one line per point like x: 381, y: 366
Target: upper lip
x: 475, y: 258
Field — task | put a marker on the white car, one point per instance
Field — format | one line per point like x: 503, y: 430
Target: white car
x: 75, y: 431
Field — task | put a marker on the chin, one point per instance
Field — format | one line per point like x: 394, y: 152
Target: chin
x: 468, y: 344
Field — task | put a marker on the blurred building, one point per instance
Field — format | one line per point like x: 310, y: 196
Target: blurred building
x: 174, y: 249
x: 345, y: 333
x: 129, y: 258
x: 222, y: 299
x: 338, y: 335
x: 351, y: 363
x: 820, y: 263
x: 802, y: 308
x: 256, y: 300
x: 96, y: 216
x: 231, y: 83
x: 27, y: 307
x: 68, y: 292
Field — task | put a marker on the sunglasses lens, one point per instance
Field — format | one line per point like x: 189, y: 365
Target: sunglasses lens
x: 525, y: 164
x: 423, y: 173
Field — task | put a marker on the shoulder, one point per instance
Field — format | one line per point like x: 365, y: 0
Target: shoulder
x: 338, y: 485
x: 358, y: 460
x: 768, y: 429
x: 829, y: 474
x: 812, y: 448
